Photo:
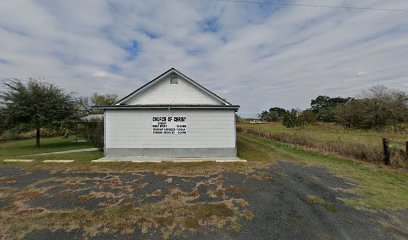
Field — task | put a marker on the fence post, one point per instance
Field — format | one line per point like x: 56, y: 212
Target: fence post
x: 387, y: 155
x: 406, y: 150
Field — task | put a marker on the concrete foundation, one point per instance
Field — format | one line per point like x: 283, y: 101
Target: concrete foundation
x: 174, y: 160
x: 164, y: 153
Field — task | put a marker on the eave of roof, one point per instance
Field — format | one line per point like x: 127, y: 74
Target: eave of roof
x: 147, y: 107
x: 181, y: 74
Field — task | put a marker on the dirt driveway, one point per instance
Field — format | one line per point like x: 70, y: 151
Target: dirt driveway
x: 283, y: 201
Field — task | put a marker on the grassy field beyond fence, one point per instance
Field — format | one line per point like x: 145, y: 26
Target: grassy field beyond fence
x: 363, y: 145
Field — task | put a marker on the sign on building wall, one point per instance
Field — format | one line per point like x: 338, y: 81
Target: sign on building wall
x: 169, y: 125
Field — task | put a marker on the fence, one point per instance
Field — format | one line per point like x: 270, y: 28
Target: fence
x: 361, y: 151
x: 390, y: 152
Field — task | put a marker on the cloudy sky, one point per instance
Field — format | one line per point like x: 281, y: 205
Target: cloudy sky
x: 255, y: 55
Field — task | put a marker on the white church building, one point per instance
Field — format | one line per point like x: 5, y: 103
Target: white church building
x: 171, y: 116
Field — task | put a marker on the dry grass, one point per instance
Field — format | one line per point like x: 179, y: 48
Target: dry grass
x: 369, y: 150
x: 312, y: 199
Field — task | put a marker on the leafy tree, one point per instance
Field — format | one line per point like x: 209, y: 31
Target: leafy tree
x: 353, y: 114
x: 376, y: 108
x: 324, y: 107
x: 386, y: 106
x: 96, y: 133
x: 103, y: 99
x: 295, y: 118
x: 307, y: 117
x: 264, y: 116
x: 95, y: 125
x: 290, y: 120
x: 2, y: 120
x: 35, y: 105
x: 277, y: 113
x: 85, y: 104
x: 273, y: 115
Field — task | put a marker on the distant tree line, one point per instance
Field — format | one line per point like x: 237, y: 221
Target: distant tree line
x: 289, y: 118
x: 375, y: 108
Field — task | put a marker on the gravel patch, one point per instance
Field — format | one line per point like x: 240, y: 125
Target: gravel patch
x: 278, y: 197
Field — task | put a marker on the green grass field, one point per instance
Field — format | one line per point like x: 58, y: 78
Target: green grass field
x: 332, y: 132
x: 363, y: 145
x: 16, y: 148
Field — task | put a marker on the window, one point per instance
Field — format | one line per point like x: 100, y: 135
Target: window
x: 173, y: 80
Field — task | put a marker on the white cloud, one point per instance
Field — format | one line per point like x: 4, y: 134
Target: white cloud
x: 260, y: 56
x: 361, y: 73
x: 99, y: 74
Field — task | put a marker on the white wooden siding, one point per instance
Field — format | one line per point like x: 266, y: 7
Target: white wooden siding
x: 205, y: 129
x: 165, y: 93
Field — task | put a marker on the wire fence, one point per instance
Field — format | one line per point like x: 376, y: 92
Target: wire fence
x: 394, y: 153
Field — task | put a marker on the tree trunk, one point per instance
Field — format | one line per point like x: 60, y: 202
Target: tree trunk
x: 37, y: 135
x: 66, y: 134
x: 37, y: 123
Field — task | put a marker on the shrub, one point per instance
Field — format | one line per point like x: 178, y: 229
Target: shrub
x: 290, y: 119
x: 96, y: 134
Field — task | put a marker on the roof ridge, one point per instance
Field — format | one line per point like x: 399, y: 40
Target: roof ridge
x: 172, y: 69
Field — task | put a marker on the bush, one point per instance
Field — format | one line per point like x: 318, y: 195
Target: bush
x: 378, y: 108
x: 290, y: 119
x: 96, y: 134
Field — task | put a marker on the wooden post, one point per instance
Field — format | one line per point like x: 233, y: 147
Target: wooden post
x: 406, y: 150
x: 387, y: 155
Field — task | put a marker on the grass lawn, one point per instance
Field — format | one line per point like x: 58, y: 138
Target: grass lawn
x: 16, y: 148
x: 332, y: 132
x: 363, y: 145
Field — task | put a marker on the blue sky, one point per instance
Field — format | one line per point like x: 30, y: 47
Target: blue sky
x: 255, y: 55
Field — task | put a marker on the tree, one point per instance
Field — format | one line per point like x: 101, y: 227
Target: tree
x: 377, y: 107
x: 96, y: 133
x: 2, y: 120
x: 295, y: 118
x: 264, y: 116
x: 353, y: 114
x: 386, y: 106
x: 103, y: 99
x: 35, y: 105
x: 307, y: 117
x: 273, y: 115
x: 324, y: 107
x: 290, y: 120
x: 85, y: 104
x: 277, y: 113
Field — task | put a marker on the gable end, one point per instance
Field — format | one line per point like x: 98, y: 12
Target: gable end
x: 167, y: 88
